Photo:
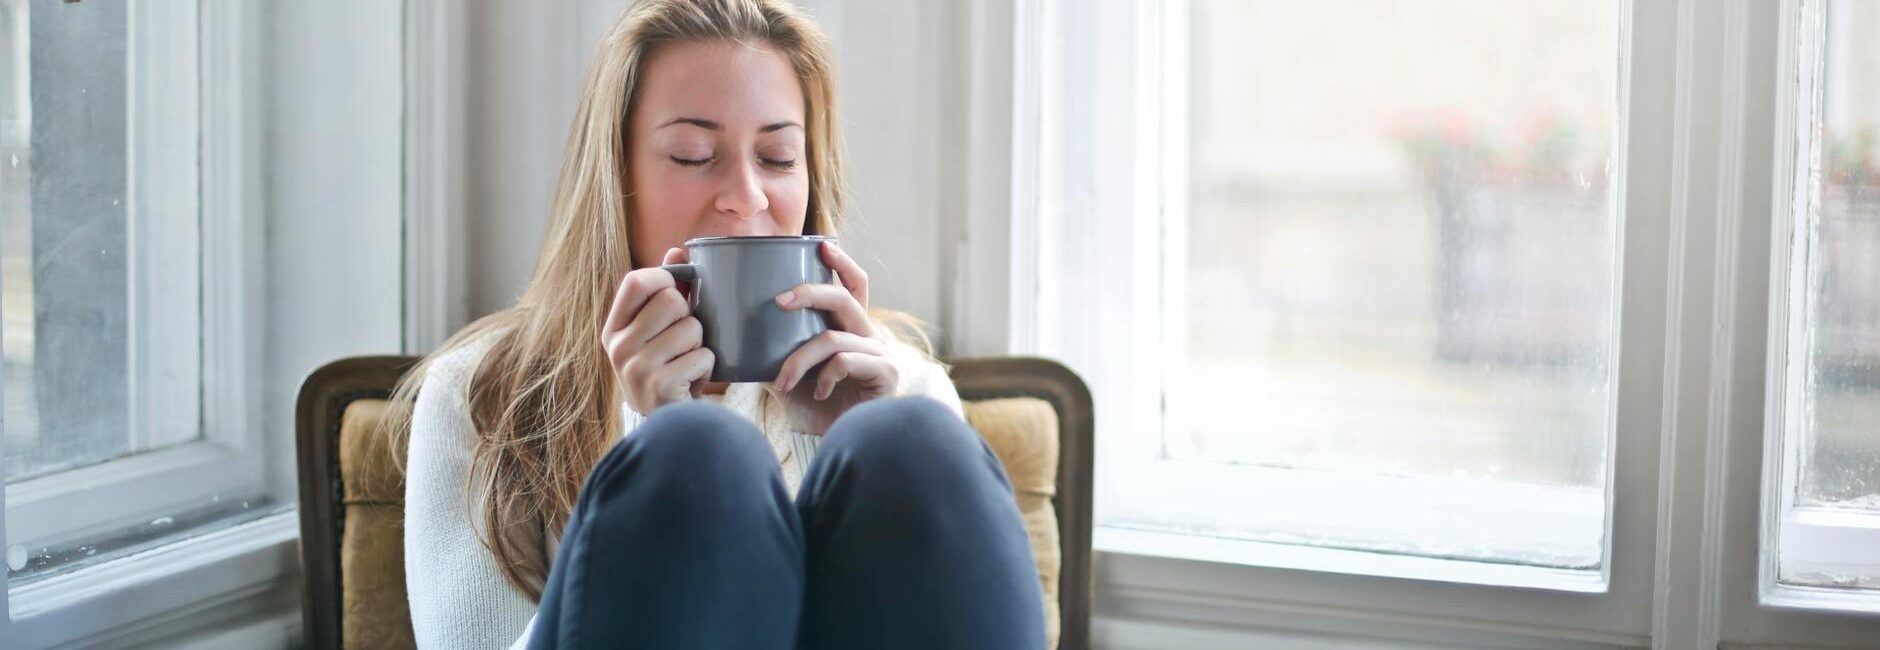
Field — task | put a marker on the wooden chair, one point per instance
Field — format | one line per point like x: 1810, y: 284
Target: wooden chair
x: 351, y: 519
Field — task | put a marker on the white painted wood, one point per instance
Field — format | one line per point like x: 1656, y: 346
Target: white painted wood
x: 234, y: 273
x: 147, y: 588
x: 63, y: 509
x: 1764, y: 521
x: 1303, y: 556
x: 163, y: 220
x: 1037, y: 54
x: 1685, y: 601
x: 436, y: 300
x: 980, y: 307
x: 1320, y: 514
x: 1132, y: 634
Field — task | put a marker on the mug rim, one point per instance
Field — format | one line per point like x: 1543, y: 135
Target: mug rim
x: 755, y: 239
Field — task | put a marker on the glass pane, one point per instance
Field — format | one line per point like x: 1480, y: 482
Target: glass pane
x: 65, y: 243
x: 1399, y: 253
x: 1841, y: 459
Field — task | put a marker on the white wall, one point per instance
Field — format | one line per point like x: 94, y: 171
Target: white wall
x: 524, y: 74
x: 332, y: 153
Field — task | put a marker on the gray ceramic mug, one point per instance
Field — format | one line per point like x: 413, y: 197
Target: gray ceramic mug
x: 735, y: 282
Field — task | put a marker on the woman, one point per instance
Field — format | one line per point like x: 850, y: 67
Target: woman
x: 844, y: 505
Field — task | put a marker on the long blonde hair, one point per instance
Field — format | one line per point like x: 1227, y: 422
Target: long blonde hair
x: 543, y: 400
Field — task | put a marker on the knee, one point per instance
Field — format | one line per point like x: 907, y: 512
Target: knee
x: 913, y: 438
x: 694, y: 443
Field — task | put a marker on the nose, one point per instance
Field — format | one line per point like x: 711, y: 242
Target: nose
x: 741, y: 192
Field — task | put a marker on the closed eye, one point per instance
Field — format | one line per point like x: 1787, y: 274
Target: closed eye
x: 780, y: 164
x: 691, y: 162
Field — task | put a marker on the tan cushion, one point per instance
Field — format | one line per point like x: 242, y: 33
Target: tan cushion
x: 1021, y: 431
x: 374, y: 611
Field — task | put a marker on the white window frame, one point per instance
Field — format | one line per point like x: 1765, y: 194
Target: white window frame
x: 1799, y: 538
x: 1542, y: 525
x: 270, y: 300
x: 195, y: 196
x: 1146, y: 567
x: 199, y: 451
x: 1690, y: 431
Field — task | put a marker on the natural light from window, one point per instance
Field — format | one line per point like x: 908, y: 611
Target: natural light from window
x: 1831, y: 446
x: 1388, y: 279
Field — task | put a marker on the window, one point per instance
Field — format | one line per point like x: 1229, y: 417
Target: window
x: 1429, y: 318
x: 172, y: 265
x: 1825, y: 457
x: 109, y: 444
x: 1372, y: 292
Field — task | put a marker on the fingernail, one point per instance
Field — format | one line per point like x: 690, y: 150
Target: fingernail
x: 783, y: 385
x: 786, y: 298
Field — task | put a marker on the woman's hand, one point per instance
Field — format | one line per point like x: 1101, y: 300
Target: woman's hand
x: 657, y: 349
x: 844, y: 366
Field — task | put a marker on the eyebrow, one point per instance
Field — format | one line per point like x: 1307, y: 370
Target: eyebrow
x: 714, y: 126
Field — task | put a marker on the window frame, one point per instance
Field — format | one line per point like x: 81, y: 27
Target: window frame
x: 1273, y: 584
x: 235, y: 568
x: 1163, y: 35
x: 1698, y: 81
x: 205, y: 444
x: 1828, y: 540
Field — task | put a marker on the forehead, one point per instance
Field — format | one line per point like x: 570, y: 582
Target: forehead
x: 735, y: 84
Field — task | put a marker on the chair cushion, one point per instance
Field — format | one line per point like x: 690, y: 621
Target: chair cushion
x: 374, y: 611
x: 1023, y: 433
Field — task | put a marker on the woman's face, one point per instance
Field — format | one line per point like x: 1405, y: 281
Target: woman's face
x: 716, y: 146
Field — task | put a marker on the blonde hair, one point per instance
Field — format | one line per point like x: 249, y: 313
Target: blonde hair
x: 543, y: 400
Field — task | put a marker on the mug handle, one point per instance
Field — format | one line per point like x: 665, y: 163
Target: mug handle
x: 681, y: 272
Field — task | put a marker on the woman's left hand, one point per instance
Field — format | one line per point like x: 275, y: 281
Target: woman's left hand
x: 845, y: 365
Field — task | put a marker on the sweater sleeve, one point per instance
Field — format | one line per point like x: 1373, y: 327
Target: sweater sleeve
x: 458, y: 596
x: 629, y: 419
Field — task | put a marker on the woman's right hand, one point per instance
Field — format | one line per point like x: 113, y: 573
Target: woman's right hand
x: 657, y: 349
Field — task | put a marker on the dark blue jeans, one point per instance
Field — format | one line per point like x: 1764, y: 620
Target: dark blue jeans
x: 903, y: 535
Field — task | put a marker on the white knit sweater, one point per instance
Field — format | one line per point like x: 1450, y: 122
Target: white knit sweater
x: 458, y: 596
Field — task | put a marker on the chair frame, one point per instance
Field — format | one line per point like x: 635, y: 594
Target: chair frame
x: 328, y: 391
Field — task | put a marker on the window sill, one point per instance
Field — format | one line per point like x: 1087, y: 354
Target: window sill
x: 1824, y: 543
x: 1447, y: 529
x: 1174, y: 579
x: 145, y: 590
x: 1151, y: 543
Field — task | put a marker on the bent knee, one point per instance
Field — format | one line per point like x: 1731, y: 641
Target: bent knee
x: 916, y: 431
x: 686, y: 440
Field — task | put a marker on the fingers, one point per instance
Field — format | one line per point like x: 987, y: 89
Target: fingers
x: 682, y: 336
x: 821, y: 348
x: 874, y: 374
x: 849, y: 314
x: 849, y: 273
x: 635, y: 289
x: 633, y: 359
x: 677, y: 379
x: 653, y: 385
x: 660, y: 312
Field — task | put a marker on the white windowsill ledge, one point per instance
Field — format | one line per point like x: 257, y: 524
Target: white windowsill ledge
x: 1157, y: 544
x: 149, y: 588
